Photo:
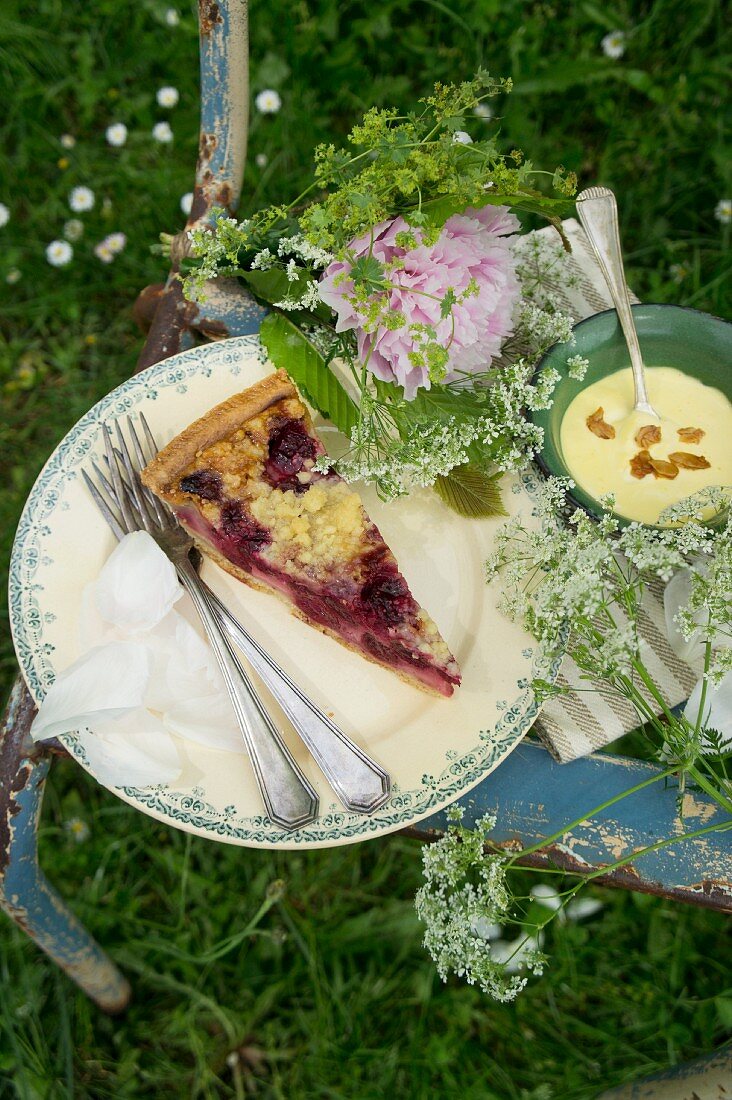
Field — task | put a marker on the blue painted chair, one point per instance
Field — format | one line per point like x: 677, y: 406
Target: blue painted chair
x: 532, y: 797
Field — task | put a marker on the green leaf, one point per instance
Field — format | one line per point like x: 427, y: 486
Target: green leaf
x: 471, y: 493
x: 273, y: 285
x: 291, y: 350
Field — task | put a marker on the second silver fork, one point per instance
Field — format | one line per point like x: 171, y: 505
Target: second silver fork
x: 360, y: 783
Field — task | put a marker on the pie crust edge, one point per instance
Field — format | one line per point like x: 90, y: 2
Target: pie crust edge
x: 216, y: 424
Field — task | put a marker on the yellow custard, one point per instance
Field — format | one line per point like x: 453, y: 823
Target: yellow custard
x: 601, y: 466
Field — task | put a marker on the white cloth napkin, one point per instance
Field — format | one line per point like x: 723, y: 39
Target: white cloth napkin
x: 145, y: 676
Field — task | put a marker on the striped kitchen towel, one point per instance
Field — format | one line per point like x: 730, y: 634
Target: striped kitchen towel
x: 582, y: 721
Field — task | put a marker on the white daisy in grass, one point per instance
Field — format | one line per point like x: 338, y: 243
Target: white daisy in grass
x: 4, y: 215
x: 613, y: 44
x: 186, y: 202
x: 171, y: 17
x: 13, y: 276
x: 268, y: 102
x: 81, y: 199
x: 77, y: 829
x: 59, y: 253
x: 162, y: 132
x: 115, y: 242
x: 483, y: 110
x: 167, y: 96
x: 73, y: 229
x: 116, y: 134
x: 462, y: 138
x: 678, y: 272
x: 103, y: 252
x: 723, y: 211
x: 68, y: 141
x: 261, y: 160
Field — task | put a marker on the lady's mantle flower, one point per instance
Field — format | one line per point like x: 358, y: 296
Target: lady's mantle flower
x: 268, y: 102
x: 723, y: 211
x: 59, y: 253
x: 172, y: 18
x: 613, y: 44
x: 116, y: 134
x: 186, y: 202
x: 4, y: 215
x: 470, y: 269
x: 73, y: 229
x: 81, y: 199
x: 162, y: 132
x: 167, y: 97
x: 67, y: 141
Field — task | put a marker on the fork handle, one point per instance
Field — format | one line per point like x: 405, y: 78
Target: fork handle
x: 288, y: 796
x: 361, y: 784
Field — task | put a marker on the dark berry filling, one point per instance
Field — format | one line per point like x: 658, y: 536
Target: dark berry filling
x: 290, y: 447
x: 242, y: 529
x: 387, y: 596
x: 391, y: 651
x: 204, y: 483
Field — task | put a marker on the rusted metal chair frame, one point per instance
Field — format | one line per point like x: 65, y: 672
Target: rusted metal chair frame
x: 531, y: 795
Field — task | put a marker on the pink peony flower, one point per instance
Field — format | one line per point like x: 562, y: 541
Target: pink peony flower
x: 471, y: 246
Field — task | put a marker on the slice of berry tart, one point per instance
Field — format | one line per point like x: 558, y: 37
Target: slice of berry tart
x: 241, y: 481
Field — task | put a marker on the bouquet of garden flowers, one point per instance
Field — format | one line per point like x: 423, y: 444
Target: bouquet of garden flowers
x: 400, y: 264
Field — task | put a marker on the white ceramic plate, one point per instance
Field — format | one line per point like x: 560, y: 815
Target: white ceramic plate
x: 435, y: 749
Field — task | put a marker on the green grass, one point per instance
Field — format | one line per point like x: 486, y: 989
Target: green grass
x: 330, y: 995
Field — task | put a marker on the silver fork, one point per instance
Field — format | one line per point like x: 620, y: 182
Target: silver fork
x: 289, y: 798
x: 360, y: 783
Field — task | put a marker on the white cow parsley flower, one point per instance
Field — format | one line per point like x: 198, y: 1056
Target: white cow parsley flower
x: 4, y: 215
x: 186, y: 202
x: 172, y: 18
x: 484, y: 111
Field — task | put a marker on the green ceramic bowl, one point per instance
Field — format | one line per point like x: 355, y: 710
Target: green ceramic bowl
x: 670, y: 336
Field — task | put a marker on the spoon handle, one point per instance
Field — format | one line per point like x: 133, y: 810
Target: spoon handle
x: 598, y: 214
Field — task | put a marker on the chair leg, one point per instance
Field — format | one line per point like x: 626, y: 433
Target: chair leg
x: 25, y: 893
x: 708, y: 1078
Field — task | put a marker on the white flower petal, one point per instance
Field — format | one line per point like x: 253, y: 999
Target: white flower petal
x: 546, y: 895
x: 107, y: 682
x: 132, y: 751
x: 717, y: 709
x: 208, y: 721
x: 580, y: 908
x: 137, y: 586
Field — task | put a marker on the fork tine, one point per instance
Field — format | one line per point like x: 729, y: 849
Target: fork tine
x: 121, y: 492
x: 148, y: 520
x: 118, y: 529
x: 150, y: 439
x: 151, y: 499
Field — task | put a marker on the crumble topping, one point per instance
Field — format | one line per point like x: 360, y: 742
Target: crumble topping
x: 321, y: 527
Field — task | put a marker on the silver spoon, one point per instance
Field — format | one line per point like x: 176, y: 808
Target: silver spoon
x: 598, y: 213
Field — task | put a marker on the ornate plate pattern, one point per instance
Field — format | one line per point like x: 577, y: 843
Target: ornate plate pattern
x: 434, y: 749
